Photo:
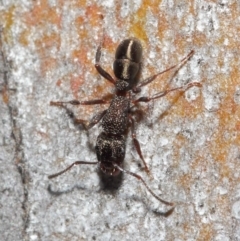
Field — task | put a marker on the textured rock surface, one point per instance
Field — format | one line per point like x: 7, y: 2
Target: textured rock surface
x: 190, y: 141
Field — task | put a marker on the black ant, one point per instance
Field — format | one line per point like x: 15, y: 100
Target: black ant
x: 118, y: 117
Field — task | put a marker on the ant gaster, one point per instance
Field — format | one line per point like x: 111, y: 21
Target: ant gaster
x: 118, y: 117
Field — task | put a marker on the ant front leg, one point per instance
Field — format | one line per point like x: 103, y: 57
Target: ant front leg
x: 99, y: 68
x: 144, y: 183
x: 136, y: 144
x: 69, y: 167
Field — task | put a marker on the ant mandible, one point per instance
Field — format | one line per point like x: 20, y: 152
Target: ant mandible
x: 118, y: 117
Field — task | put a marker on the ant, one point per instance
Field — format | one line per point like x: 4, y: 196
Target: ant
x: 118, y: 117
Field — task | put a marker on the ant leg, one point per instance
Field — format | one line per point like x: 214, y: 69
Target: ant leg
x: 86, y: 124
x: 152, y: 78
x: 144, y: 183
x: 77, y: 102
x: 99, y: 68
x: 137, y: 145
x: 96, y: 119
x: 163, y: 93
x: 68, y: 168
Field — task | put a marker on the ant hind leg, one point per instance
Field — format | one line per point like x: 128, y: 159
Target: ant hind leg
x: 99, y: 68
x: 179, y: 65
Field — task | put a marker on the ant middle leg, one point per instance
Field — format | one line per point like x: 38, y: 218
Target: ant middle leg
x: 86, y: 124
x: 77, y: 102
x: 136, y: 144
x: 163, y: 93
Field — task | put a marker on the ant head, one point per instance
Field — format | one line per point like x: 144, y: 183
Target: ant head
x: 127, y: 64
x: 109, y: 170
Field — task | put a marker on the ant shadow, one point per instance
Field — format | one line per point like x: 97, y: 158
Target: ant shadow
x: 107, y: 184
x: 110, y: 185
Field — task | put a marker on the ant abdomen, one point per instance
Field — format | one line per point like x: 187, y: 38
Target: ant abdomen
x: 130, y: 49
x: 128, y: 57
